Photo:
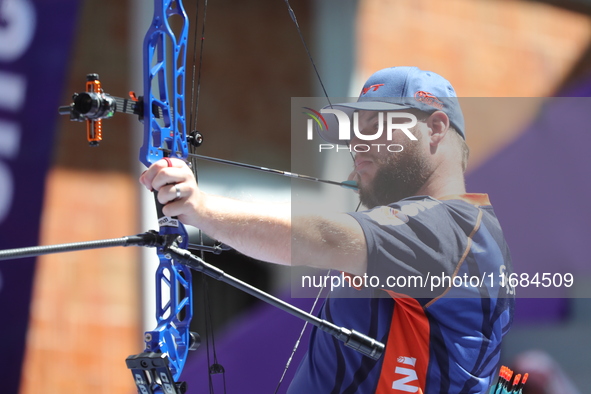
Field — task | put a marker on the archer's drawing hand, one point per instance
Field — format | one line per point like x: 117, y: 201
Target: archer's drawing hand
x: 176, y: 188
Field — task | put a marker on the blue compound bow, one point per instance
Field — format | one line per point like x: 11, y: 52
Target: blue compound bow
x: 158, y: 368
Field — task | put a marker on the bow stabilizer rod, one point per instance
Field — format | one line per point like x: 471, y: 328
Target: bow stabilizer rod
x: 148, y: 239
x: 351, y: 338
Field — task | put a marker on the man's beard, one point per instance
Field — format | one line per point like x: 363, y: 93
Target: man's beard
x: 401, y: 175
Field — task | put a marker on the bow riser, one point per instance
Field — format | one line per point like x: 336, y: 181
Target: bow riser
x: 158, y: 369
x: 173, y: 281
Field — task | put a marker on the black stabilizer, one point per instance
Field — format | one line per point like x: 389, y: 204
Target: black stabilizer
x: 353, y: 339
x: 150, y: 239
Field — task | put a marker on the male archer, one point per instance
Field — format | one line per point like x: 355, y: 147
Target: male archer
x: 443, y: 333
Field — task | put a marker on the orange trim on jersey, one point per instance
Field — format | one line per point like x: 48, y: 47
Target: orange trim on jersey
x: 406, y: 358
x: 478, y: 199
x: 462, y: 259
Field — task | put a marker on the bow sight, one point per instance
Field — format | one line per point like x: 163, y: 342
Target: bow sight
x: 91, y: 106
x: 94, y: 105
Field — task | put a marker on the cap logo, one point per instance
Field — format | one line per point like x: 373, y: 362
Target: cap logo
x: 429, y: 99
x: 372, y: 87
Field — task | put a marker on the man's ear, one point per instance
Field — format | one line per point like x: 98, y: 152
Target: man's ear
x: 438, y: 124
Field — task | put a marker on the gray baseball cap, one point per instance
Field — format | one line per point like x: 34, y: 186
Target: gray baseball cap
x: 397, y: 89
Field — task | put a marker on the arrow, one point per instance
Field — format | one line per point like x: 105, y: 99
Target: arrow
x: 352, y: 185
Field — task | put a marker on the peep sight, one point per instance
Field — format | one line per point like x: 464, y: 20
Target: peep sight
x: 94, y: 105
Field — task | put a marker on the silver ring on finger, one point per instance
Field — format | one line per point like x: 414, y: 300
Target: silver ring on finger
x: 178, y: 192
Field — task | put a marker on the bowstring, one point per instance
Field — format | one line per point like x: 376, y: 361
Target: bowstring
x: 195, y: 93
x: 328, y: 274
x: 297, y: 343
x: 295, y: 21
x: 214, y: 367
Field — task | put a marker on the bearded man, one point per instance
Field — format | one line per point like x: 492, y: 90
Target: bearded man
x: 431, y: 246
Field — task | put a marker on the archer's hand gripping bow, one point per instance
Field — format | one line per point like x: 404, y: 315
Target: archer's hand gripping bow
x: 162, y: 111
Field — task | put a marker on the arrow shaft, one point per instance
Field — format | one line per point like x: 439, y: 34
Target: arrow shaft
x: 272, y: 171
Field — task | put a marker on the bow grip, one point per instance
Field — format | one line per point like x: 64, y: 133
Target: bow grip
x: 167, y: 221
